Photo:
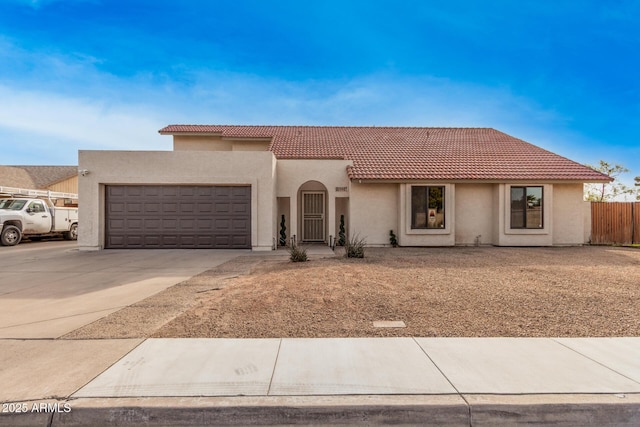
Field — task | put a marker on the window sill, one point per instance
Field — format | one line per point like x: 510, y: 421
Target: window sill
x: 427, y: 231
x: 526, y: 231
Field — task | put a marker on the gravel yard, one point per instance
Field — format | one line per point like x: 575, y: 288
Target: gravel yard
x: 471, y: 292
x: 484, y: 291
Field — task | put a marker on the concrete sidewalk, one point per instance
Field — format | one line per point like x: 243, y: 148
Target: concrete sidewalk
x: 367, y: 381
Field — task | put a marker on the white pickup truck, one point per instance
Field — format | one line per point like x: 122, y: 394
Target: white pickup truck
x: 35, y: 218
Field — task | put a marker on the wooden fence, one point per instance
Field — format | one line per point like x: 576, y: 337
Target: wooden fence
x: 615, y: 223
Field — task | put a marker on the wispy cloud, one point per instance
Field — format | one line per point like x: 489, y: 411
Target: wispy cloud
x: 79, y: 123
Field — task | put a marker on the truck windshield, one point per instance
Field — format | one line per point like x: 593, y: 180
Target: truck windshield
x: 12, y: 204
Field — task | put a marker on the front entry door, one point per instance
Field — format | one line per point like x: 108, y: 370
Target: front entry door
x: 313, y: 216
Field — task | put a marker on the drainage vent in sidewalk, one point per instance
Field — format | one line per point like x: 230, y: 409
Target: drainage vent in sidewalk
x: 389, y: 324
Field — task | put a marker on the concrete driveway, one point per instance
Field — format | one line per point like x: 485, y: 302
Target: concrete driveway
x: 48, y: 289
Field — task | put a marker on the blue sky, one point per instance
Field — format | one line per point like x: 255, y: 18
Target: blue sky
x: 107, y: 74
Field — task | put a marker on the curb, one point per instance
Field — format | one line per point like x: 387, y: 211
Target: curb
x: 440, y: 410
x: 268, y: 411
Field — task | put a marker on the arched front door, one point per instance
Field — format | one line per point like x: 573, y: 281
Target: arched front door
x: 313, y: 216
x: 312, y: 212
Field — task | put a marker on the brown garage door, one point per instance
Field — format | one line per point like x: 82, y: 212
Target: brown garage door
x: 178, y: 216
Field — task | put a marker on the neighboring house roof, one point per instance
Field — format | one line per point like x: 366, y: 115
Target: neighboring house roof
x: 404, y: 153
x: 35, y: 177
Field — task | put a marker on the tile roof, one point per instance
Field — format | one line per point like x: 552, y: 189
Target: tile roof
x: 35, y: 177
x: 404, y: 153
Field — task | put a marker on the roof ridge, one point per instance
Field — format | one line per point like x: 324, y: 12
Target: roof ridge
x: 331, y: 126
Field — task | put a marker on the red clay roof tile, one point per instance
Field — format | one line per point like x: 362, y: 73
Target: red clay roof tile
x: 404, y: 153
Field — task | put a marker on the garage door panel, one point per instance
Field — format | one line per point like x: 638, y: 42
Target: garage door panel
x: 204, y: 225
x: 178, y: 217
x: 150, y: 190
x: 133, y: 225
x: 186, y: 224
x: 168, y: 240
x: 116, y: 224
x: 240, y: 224
x: 149, y: 240
x: 222, y: 225
x: 152, y: 208
x: 170, y: 191
x: 135, y: 240
x: 241, y: 208
x: 169, y: 224
x: 170, y: 208
x: 116, y: 208
x: 223, y: 208
x: 187, y: 207
x: 134, y: 191
x: 223, y: 192
x: 115, y: 191
x: 206, y: 208
x: 239, y: 241
x: 115, y: 240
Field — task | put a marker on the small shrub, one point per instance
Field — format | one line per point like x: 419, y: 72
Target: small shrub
x: 297, y: 254
x: 354, y: 247
x: 393, y: 239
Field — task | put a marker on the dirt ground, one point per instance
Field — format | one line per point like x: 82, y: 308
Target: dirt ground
x: 485, y: 291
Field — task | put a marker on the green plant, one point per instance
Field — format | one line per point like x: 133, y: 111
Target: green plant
x: 283, y: 234
x: 392, y: 239
x: 354, y: 247
x: 297, y: 254
x: 341, y: 237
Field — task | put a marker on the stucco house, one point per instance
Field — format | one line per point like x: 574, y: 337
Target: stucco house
x: 229, y: 186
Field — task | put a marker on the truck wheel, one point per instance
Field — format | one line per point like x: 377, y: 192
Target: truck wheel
x: 72, y: 234
x: 10, y: 236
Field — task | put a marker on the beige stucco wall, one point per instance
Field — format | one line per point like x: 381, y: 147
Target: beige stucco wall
x: 373, y: 211
x: 250, y: 146
x: 292, y: 174
x: 568, y: 214
x: 200, y: 143
x: 182, y: 167
x: 217, y: 143
x: 474, y: 213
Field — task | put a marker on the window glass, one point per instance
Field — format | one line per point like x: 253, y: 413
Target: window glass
x: 427, y: 207
x: 534, y: 207
x: 517, y: 207
x: 526, y: 207
x: 36, y: 207
x: 13, y: 204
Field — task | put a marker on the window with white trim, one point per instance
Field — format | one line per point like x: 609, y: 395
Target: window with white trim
x: 427, y: 207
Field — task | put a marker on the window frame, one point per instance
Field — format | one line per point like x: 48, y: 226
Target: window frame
x: 427, y: 188
x: 525, y: 210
